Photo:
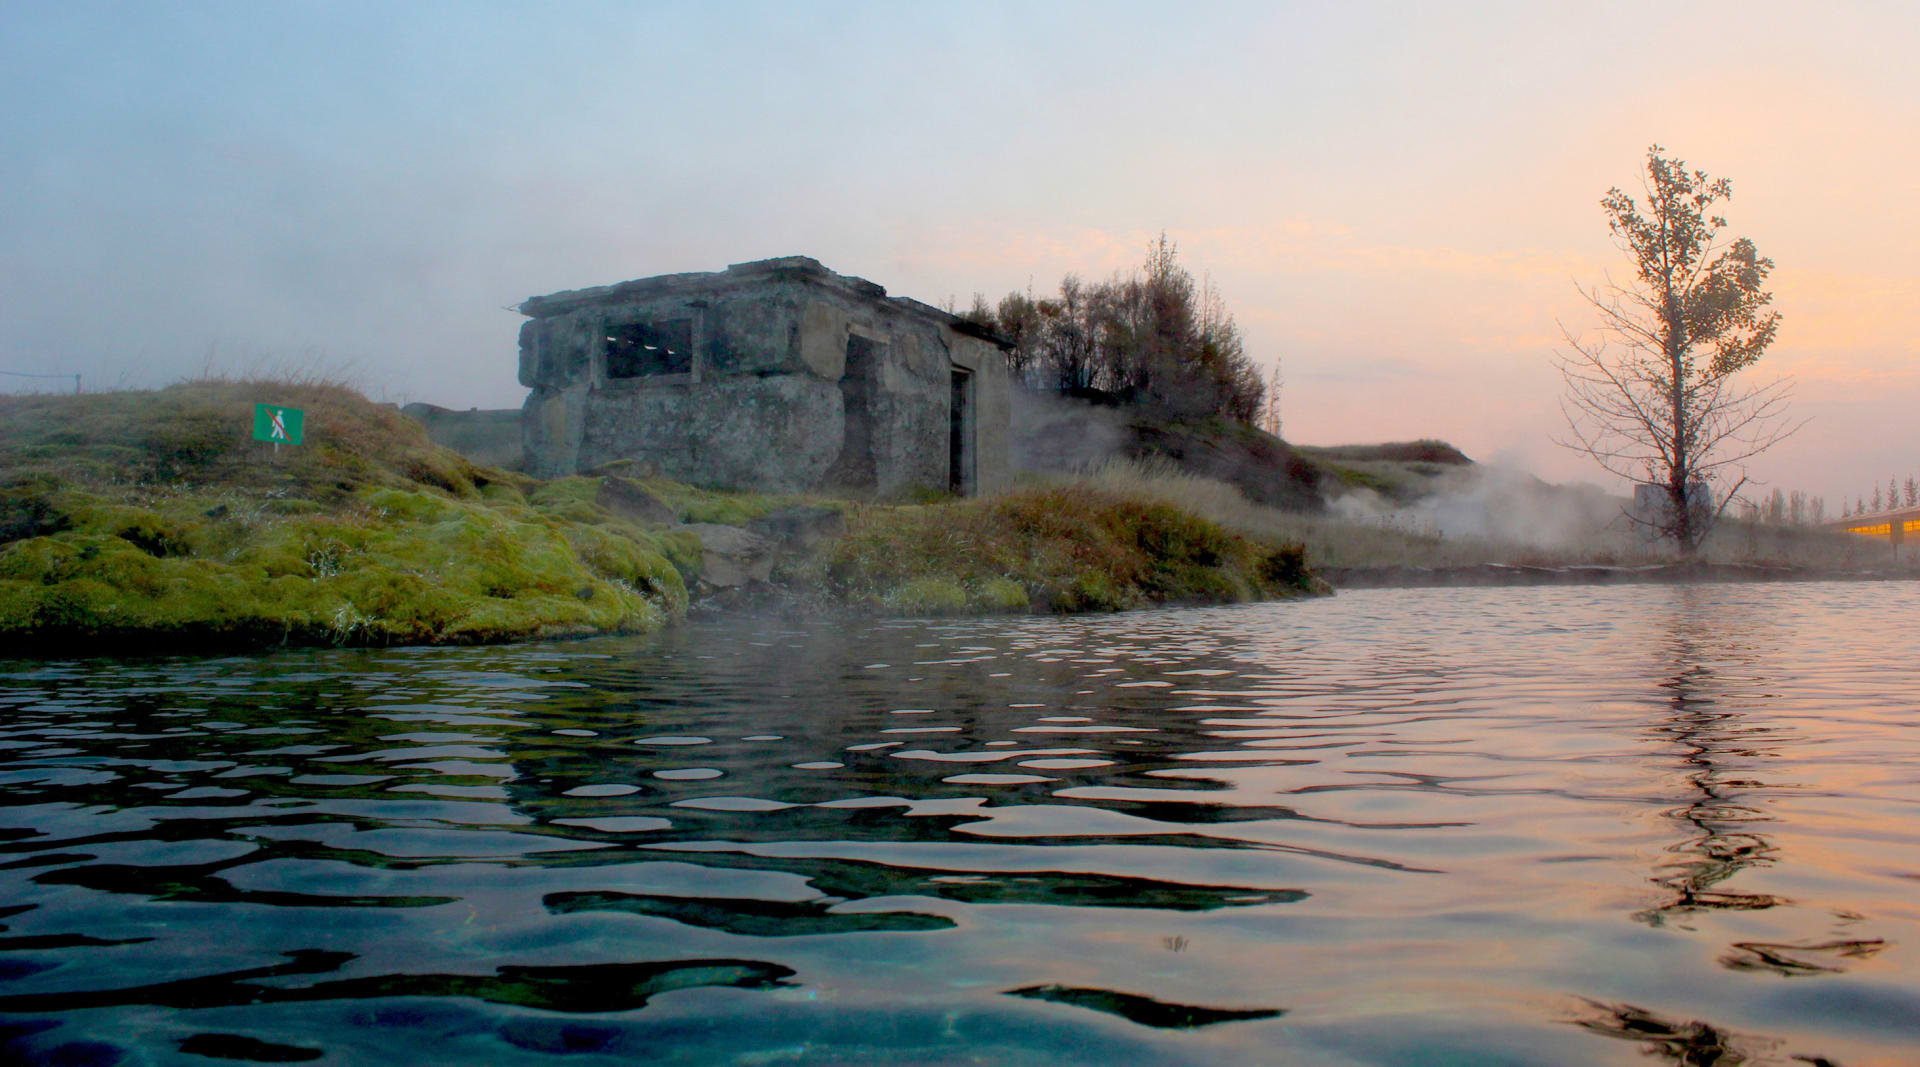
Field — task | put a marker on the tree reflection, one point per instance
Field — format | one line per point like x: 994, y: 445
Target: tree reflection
x: 1711, y: 667
x: 1691, y: 1043
x: 1712, y: 672
x: 1722, y: 831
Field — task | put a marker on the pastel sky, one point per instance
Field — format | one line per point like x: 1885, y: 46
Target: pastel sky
x: 1396, y: 201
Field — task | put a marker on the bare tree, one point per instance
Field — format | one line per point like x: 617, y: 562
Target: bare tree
x: 1653, y: 398
x: 1270, y: 415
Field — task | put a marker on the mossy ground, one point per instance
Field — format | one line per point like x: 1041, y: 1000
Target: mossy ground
x: 152, y: 519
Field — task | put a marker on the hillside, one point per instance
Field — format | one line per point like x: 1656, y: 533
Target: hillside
x: 154, y: 516
x: 1056, y: 435
x: 1401, y: 471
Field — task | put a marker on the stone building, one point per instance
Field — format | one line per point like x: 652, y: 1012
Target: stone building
x: 777, y: 375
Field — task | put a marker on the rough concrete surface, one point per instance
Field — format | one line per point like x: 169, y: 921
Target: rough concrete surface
x: 777, y: 375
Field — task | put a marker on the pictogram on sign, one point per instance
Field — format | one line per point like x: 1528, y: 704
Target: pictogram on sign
x: 280, y: 425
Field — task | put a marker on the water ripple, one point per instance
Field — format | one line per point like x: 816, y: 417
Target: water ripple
x: 1592, y: 820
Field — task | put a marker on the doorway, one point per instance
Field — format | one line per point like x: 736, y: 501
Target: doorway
x: 854, y: 468
x: 960, y: 433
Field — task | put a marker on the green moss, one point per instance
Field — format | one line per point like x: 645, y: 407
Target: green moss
x: 154, y: 534
x: 563, y: 491
x: 998, y: 596
x: 502, y: 493
x: 367, y: 535
x: 39, y: 560
x: 630, y: 558
x: 30, y: 511
x: 402, y: 505
x: 927, y: 596
x: 680, y: 548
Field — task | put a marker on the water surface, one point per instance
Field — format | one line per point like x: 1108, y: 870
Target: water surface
x: 1554, y: 825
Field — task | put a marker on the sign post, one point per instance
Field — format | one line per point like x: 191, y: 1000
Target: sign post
x: 278, y: 425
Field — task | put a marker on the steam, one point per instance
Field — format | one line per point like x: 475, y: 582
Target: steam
x: 1498, y: 504
x: 1062, y: 434
x: 1491, y: 502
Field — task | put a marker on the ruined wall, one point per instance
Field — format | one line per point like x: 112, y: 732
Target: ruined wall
x: 749, y: 411
x: 992, y: 410
x: 792, y: 378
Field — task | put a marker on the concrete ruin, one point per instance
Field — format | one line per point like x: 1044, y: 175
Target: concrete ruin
x: 777, y: 375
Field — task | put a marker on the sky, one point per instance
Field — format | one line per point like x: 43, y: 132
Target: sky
x: 1396, y: 201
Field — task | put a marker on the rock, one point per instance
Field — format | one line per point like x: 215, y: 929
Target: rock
x: 732, y: 556
x: 799, y: 529
x: 631, y: 500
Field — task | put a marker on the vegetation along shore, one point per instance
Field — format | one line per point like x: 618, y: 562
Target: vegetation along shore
x: 152, y: 520
x: 136, y: 521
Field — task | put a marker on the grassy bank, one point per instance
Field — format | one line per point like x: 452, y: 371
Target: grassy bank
x: 1062, y: 547
x: 142, y: 520
x: 139, y: 521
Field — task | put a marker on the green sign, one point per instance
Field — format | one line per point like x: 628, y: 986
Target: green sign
x: 277, y: 424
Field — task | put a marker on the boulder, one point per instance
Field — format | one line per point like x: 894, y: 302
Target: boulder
x: 732, y: 556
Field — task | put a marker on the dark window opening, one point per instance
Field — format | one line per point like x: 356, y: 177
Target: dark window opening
x: 960, y: 434
x: 647, y: 349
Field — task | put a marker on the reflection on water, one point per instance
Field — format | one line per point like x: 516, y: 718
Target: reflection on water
x: 1723, y: 755
x: 1691, y: 1043
x: 1516, y: 825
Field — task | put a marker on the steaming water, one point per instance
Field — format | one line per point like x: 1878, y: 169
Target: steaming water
x: 1528, y: 826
